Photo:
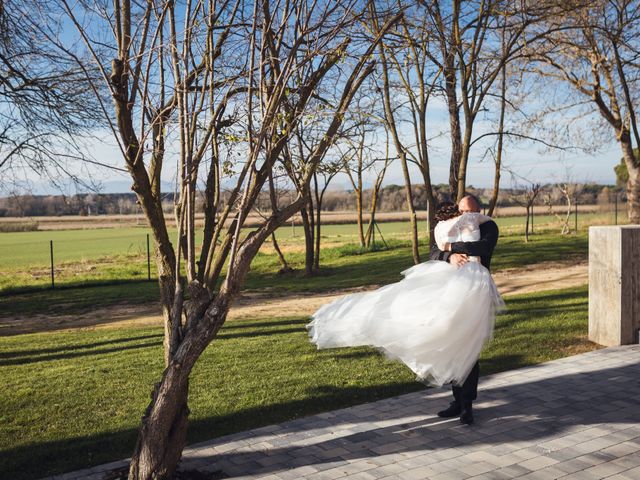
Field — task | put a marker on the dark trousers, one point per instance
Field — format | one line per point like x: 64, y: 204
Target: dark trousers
x: 468, y: 391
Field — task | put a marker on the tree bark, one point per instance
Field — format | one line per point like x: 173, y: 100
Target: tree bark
x: 454, y: 125
x: 318, y: 195
x: 309, y: 244
x: 163, y: 432
x: 633, y: 183
x: 359, y: 216
x: 498, y: 166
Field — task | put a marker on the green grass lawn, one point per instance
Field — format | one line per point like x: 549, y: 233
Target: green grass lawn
x: 74, y: 399
x: 342, y: 267
x: 114, y: 255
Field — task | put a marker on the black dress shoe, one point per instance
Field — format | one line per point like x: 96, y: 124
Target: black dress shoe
x: 466, y: 416
x: 453, y: 411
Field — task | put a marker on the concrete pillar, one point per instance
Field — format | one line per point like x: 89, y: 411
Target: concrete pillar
x: 614, y: 284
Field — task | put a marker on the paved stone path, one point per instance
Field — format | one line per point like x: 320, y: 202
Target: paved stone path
x: 573, y: 418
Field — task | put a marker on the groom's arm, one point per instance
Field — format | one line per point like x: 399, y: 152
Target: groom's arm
x: 484, y: 246
x: 437, y: 254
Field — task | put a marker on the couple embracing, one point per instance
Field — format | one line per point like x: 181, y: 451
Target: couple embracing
x: 438, y: 317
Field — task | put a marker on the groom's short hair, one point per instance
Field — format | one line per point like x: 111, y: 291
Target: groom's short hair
x: 473, y: 198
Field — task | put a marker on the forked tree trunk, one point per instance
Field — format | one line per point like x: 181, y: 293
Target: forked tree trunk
x: 372, y: 215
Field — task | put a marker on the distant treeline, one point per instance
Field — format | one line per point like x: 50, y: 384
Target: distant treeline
x: 392, y: 198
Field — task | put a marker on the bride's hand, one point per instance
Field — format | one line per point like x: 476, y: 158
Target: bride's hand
x: 458, y: 259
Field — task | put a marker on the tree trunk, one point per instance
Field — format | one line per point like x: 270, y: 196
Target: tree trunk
x: 464, y: 159
x: 526, y: 227
x: 496, y: 177
x: 359, y: 217
x: 372, y: 215
x: 316, y: 253
x: 566, y: 229
x: 163, y: 433
x: 633, y: 196
x: 456, y: 135
x: 308, y: 240
x: 633, y: 184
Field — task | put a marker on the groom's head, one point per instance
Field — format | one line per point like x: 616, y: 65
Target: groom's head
x: 469, y: 203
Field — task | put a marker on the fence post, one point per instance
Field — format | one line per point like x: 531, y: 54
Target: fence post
x: 53, y: 283
x: 615, y: 202
x: 148, y: 260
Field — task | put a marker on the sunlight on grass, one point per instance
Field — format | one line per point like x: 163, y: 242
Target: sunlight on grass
x: 83, y: 257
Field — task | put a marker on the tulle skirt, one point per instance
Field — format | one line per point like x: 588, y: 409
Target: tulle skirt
x: 435, y: 320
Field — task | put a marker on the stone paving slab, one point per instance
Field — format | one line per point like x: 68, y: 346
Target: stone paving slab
x: 573, y: 418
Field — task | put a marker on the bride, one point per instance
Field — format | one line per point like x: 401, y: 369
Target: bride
x: 435, y: 320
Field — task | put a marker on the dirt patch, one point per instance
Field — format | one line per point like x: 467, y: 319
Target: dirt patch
x: 533, y: 278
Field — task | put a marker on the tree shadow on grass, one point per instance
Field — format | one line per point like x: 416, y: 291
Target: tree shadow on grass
x: 77, y: 354
x: 246, y: 324
x: 55, y: 457
x: 15, y: 354
x: 517, y: 410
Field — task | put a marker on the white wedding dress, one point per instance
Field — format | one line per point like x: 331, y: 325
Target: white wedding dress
x: 435, y: 320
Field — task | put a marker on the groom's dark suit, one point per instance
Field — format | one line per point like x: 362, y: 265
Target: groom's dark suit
x: 483, y: 248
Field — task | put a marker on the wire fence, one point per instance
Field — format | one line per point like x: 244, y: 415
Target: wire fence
x: 63, y: 258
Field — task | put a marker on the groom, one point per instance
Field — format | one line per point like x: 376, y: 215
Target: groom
x: 457, y: 254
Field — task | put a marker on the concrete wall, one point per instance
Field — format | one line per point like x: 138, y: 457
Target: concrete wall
x: 614, y: 284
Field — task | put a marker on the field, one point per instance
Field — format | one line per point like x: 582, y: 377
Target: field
x: 334, y: 217
x: 73, y: 397
x: 107, y: 255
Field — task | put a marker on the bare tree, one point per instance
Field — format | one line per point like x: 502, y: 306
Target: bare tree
x: 327, y: 170
x: 528, y: 193
x: 472, y: 43
x: 360, y: 154
x: 413, y: 78
x: 593, y: 48
x: 186, y: 80
x: 46, y: 110
x: 401, y: 151
x: 375, y: 193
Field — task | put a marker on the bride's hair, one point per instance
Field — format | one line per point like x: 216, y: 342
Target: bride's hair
x: 446, y: 210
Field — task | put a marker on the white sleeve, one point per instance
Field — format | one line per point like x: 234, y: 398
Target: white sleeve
x: 440, y: 233
x: 479, y: 217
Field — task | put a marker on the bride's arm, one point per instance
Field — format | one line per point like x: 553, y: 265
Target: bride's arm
x: 438, y: 252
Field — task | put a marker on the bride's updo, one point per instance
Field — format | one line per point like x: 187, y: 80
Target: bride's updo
x: 446, y: 210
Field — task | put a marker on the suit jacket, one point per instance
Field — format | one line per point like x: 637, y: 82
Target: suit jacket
x: 483, y: 248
